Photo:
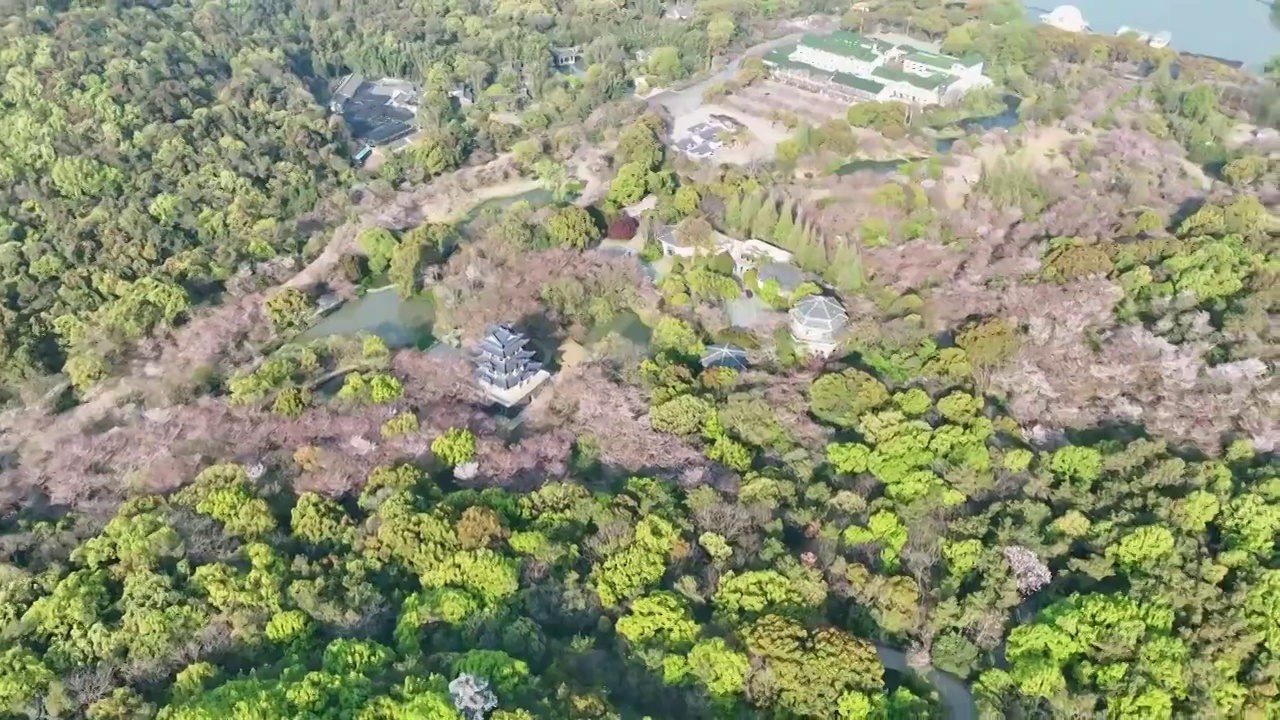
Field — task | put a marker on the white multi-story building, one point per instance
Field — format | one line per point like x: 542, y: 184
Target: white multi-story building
x: 844, y: 52
x: 849, y: 67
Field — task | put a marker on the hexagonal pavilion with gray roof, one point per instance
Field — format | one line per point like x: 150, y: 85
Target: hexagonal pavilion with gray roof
x: 816, y: 321
x: 725, y: 356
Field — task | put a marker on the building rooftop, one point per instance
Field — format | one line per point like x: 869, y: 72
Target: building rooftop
x: 725, y: 356
x: 931, y: 82
x: 858, y: 83
x: 377, y: 113
x: 1066, y: 17
x: 393, y: 86
x: 942, y: 62
x: 347, y: 87
x: 788, y: 276
x: 819, y: 312
x: 782, y: 57
x: 502, y: 363
x: 706, y: 132
x: 848, y: 44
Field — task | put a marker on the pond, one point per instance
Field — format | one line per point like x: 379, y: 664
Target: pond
x: 969, y: 126
x: 398, y: 321
x: 977, y: 125
x: 626, y: 324
x: 875, y: 166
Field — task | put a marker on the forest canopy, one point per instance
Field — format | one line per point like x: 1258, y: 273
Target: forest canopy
x: 163, y: 148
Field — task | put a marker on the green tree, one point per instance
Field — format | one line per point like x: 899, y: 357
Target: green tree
x: 1076, y: 464
x: 630, y: 185
x: 659, y: 620
x: 639, y: 145
x: 765, y: 221
x: 85, y: 369
x: 684, y: 415
x: 720, y: 30
x: 377, y: 244
x: 664, y: 63
x: 291, y: 402
x: 289, y: 310
x: 989, y: 342
x: 786, y: 223
x: 675, y: 335
x: 572, y: 227
x: 455, y: 447
x: 686, y: 200
x: 722, y: 671
x: 405, y: 423
x: 640, y: 564
x: 841, y: 398
x: 889, y: 118
x: 23, y: 678
x: 1143, y: 548
x: 1245, y: 170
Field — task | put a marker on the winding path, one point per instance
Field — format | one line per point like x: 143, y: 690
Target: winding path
x: 954, y: 693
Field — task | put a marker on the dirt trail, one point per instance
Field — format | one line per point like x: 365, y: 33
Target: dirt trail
x: 449, y: 208
x: 589, y: 164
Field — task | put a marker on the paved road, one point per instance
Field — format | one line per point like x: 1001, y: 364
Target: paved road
x: 955, y: 695
x: 679, y: 102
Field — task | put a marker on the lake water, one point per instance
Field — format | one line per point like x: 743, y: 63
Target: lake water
x: 1245, y: 30
x: 399, y: 322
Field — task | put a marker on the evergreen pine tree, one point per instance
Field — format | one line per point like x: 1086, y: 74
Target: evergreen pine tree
x: 795, y: 239
x: 765, y: 220
x: 810, y: 254
x: 786, y: 221
x: 846, y: 271
x: 750, y: 207
x: 733, y: 210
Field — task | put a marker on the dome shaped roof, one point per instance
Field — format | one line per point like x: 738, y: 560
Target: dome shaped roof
x: 820, y: 313
x: 1066, y: 17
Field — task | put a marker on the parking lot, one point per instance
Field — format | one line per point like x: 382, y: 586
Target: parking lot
x: 767, y: 98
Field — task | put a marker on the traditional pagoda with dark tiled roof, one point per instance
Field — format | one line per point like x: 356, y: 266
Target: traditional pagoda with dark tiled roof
x: 502, y: 362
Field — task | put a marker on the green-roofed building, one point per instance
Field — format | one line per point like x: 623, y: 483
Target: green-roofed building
x: 937, y: 62
x: 925, y: 82
x: 845, y: 64
x: 861, y: 84
x: 912, y: 88
x: 841, y: 52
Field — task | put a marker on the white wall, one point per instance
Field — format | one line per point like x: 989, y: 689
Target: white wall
x: 906, y: 92
x: 831, y: 62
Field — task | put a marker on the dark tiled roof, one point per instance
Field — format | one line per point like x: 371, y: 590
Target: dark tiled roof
x: 787, y: 276
x: 373, y: 119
